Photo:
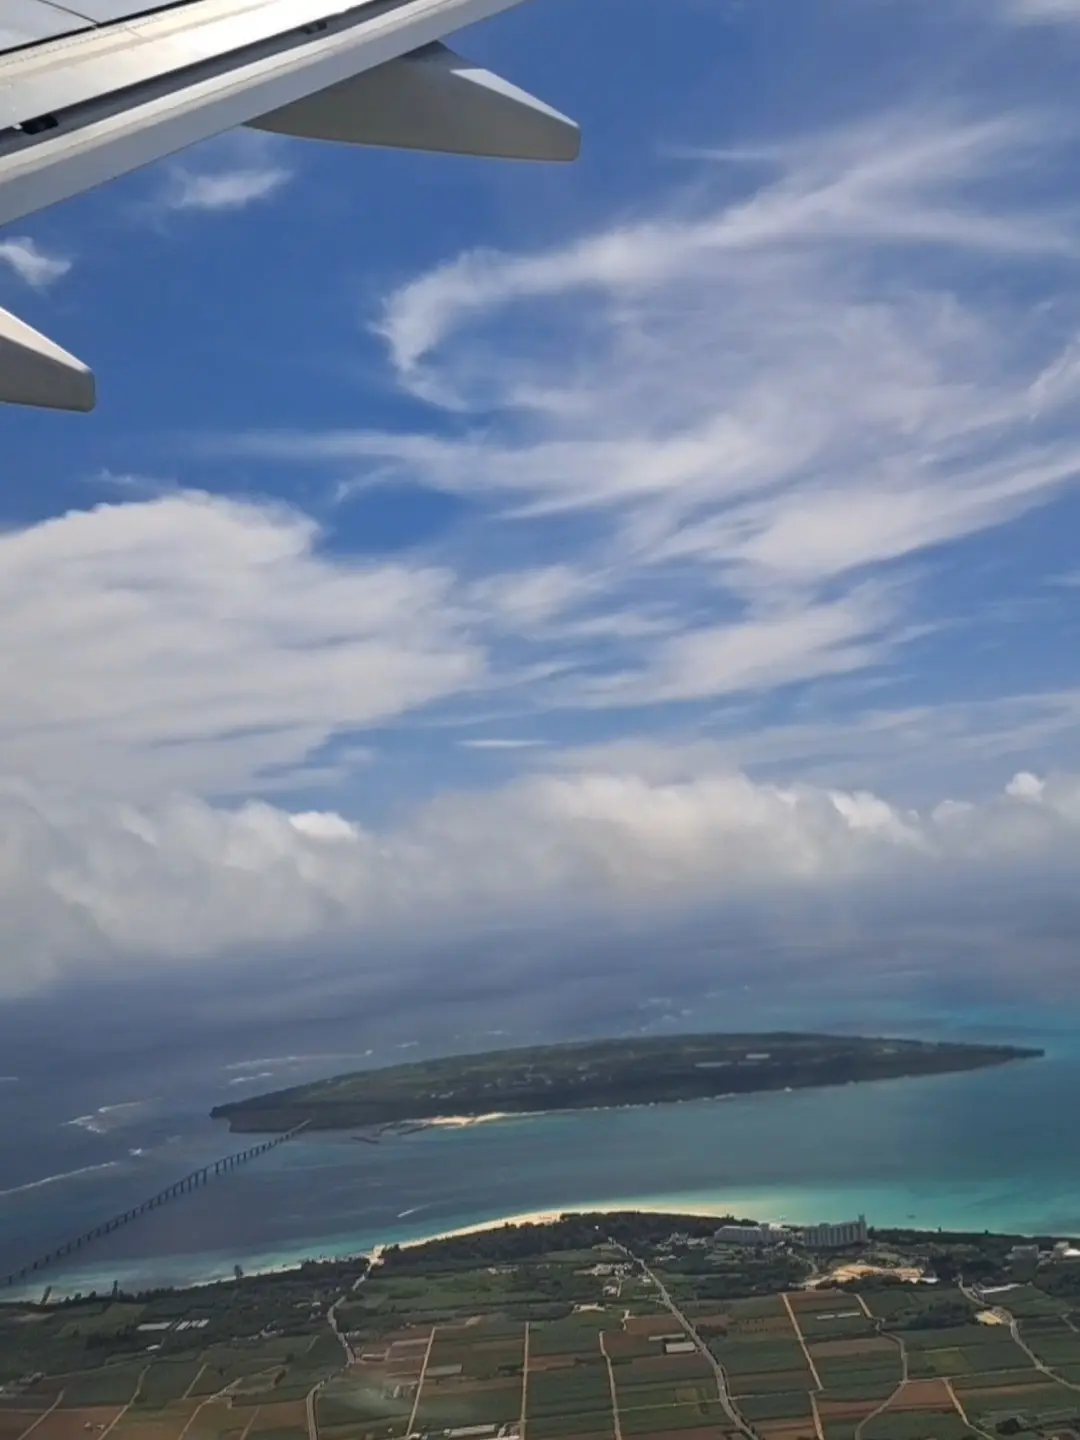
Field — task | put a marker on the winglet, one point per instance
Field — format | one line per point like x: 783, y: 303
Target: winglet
x: 431, y: 99
x: 35, y: 371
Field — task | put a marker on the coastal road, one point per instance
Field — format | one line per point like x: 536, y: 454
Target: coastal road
x: 339, y: 1334
x: 374, y: 1259
x: 343, y: 1340
x: 691, y: 1330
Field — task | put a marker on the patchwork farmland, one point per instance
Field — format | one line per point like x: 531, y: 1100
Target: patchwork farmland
x: 589, y: 1341
x: 828, y: 1365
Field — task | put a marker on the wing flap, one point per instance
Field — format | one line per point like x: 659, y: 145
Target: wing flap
x: 121, y: 123
x: 107, y: 12
x: 432, y: 100
x: 103, y: 90
x: 34, y: 22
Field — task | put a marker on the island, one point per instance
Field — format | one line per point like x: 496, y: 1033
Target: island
x: 642, y: 1070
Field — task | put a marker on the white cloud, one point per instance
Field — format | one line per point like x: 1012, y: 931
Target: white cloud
x: 897, y: 182
x: 200, y: 643
x: 494, y: 742
x: 223, y: 189
x: 86, y: 888
x: 526, y: 598
x: 919, y: 751
x: 759, y: 653
x: 744, y: 404
x: 705, y: 432
x: 31, y: 264
x: 1043, y: 11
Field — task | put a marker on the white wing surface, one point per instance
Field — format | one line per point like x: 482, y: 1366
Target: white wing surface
x: 91, y: 89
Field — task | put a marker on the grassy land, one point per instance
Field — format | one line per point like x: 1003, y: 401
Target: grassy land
x: 642, y: 1070
x: 570, y: 1340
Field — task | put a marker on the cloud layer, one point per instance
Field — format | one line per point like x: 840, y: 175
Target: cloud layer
x: 99, y: 887
x: 718, y: 465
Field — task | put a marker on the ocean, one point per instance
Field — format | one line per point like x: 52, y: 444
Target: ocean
x: 79, y: 1142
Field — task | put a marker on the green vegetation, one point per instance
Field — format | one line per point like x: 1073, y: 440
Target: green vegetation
x: 636, y: 1071
x: 596, y: 1326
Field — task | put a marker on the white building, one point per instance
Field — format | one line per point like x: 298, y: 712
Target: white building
x: 752, y: 1235
x: 835, y: 1237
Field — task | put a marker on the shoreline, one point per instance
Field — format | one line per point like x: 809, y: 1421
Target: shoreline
x: 462, y: 1122
x: 995, y: 1055
x: 373, y: 1253
x: 552, y: 1217
x: 466, y: 1122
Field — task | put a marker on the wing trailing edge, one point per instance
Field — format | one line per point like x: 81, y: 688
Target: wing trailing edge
x: 35, y: 371
x: 433, y: 100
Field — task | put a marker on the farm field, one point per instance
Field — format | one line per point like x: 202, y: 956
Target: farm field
x: 577, y: 1331
x: 476, y: 1361
x: 872, y: 1366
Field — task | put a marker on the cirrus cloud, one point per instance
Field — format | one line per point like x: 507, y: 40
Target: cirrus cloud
x: 746, y: 414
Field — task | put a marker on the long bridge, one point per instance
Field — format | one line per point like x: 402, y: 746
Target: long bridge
x: 202, y: 1176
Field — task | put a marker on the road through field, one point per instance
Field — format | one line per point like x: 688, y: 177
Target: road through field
x: 617, y: 1423
x: 44, y: 1415
x: 904, y: 1377
x: 964, y: 1415
x: 714, y: 1364
x: 138, y: 1388
x: 420, y: 1382
x: 524, y: 1383
x: 1014, y: 1330
x: 799, y: 1336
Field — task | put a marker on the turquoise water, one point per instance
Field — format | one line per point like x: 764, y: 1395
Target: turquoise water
x: 989, y: 1150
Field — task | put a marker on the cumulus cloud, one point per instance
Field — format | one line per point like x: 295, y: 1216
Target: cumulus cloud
x: 194, y: 642
x: 223, y: 189
x: 88, y: 887
x: 32, y: 264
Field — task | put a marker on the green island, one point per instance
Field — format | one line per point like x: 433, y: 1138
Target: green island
x: 622, y: 1326
x: 591, y: 1074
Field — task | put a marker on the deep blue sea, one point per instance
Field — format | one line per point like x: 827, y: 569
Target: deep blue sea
x: 995, y: 1149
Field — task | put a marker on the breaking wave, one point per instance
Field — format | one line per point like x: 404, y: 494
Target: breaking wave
x: 56, y: 1179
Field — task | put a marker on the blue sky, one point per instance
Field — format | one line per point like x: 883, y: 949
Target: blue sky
x: 457, y: 543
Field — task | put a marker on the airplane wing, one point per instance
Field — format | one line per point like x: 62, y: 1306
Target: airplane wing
x: 91, y: 89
